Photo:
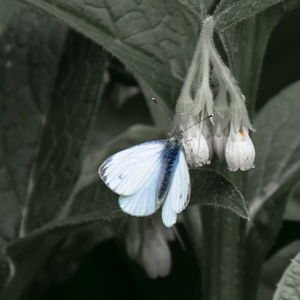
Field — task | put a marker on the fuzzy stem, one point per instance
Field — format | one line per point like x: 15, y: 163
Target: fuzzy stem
x: 221, y: 255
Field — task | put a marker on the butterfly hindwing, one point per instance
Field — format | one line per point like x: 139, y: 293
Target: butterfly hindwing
x: 179, y: 193
x: 127, y: 171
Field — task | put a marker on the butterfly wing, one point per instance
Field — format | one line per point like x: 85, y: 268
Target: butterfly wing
x: 144, y: 201
x: 179, y: 193
x: 127, y: 171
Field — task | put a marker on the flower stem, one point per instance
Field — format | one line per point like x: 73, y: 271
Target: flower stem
x: 221, y: 254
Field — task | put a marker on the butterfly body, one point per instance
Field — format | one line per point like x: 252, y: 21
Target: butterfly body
x: 148, y: 176
x: 170, y: 156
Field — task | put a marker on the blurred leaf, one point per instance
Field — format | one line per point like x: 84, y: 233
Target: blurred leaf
x: 154, y: 39
x: 44, y: 126
x: 288, y: 287
x: 29, y: 59
x: 231, y: 12
x: 246, y: 43
x: 292, y: 212
x: 211, y: 189
x: 275, y: 266
x: 58, y: 161
x: 277, y: 170
x: 7, y: 7
x: 277, y: 146
x: 6, y: 268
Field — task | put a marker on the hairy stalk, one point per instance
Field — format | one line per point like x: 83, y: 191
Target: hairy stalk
x: 222, y: 249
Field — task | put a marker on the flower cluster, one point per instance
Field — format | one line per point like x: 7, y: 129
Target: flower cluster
x: 211, y: 90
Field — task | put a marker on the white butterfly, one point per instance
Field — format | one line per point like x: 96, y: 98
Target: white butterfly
x: 148, y: 176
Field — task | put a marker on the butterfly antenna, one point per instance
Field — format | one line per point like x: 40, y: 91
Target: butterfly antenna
x: 198, y: 122
x: 162, y: 110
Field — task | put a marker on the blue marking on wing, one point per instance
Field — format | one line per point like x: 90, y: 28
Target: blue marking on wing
x: 170, y: 157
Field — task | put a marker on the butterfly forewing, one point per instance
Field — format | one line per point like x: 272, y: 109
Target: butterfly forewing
x: 127, y: 171
x: 144, y: 201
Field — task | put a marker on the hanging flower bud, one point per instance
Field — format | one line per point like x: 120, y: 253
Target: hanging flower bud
x: 155, y: 252
x: 147, y: 243
x: 239, y: 151
x: 195, y: 144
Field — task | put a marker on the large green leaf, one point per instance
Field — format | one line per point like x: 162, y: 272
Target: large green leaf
x: 154, y: 39
x: 288, y: 287
x: 274, y: 268
x: 277, y: 169
x: 73, y: 105
x: 29, y: 59
x: 277, y: 146
x: 45, y: 119
x: 7, y: 7
x: 211, y: 189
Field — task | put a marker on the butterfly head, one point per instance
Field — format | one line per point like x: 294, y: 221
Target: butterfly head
x: 177, y: 135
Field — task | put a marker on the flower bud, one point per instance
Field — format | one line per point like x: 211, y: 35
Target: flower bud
x: 239, y: 151
x: 195, y: 145
x: 197, y: 151
x: 155, y: 253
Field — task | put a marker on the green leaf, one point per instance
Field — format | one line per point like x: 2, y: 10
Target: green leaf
x: 7, y: 7
x: 292, y: 212
x: 29, y: 59
x: 6, y: 268
x: 277, y: 169
x: 275, y: 266
x: 288, y: 287
x: 45, y: 119
x: 230, y: 12
x: 277, y: 146
x: 211, y: 189
x: 154, y: 39
x: 73, y: 105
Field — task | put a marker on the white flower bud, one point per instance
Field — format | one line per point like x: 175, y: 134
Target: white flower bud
x: 239, y: 151
x: 197, y: 151
x: 155, y: 253
x: 195, y: 145
x: 147, y: 243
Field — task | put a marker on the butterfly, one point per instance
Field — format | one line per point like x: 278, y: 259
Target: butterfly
x: 148, y: 176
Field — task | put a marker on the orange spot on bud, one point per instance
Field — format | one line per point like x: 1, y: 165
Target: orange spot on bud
x: 241, y: 132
